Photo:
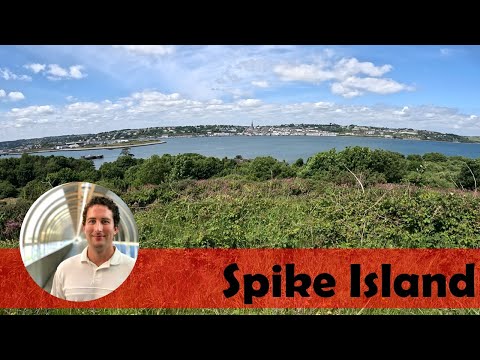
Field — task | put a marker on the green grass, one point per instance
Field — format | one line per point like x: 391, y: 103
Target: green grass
x: 329, y: 312
x: 297, y: 213
x: 9, y: 244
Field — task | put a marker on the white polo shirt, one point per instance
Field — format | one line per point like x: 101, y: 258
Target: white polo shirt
x: 79, y: 279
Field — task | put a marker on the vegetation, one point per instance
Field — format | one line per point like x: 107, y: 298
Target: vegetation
x: 304, y: 213
x: 355, y: 198
x: 240, y: 311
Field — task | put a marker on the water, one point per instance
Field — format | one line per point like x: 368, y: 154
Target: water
x: 288, y: 148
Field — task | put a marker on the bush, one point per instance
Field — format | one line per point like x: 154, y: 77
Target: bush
x: 11, y: 218
x: 7, y: 189
x: 34, y: 189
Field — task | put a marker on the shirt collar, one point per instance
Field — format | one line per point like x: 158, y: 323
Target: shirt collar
x: 114, y: 260
x: 84, y: 257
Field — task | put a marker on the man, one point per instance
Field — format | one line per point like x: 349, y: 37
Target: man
x: 100, y: 268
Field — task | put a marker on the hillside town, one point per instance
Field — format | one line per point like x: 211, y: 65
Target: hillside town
x: 145, y: 136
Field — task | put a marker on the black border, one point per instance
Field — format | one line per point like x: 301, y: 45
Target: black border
x: 373, y: 328
x: 325, y: 23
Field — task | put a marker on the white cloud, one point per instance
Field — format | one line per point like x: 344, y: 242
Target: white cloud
x: 36, y: 68
x: 304, y: 72
x: 446, y: 52
x: 15, y: 96
x: 201, y: 72
x: 81, y: 107
x: 9, y: 75
x: 12, y: 95
x: 76, y: 72
x: 55, y: 72
x: 155, y: 96
x: 355, y: 86
x: 345, y: 91
x: 32, y: 111
x: 348, y: 67
x: 323, y: 105
x: 260, y: 84
x: 153, y: 108
x: 249, y: 102
x: 345, y: 76
x: 155, y: 50
x: 405, y: 112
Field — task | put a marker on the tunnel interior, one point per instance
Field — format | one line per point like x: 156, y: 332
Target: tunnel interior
x: 52, y: 229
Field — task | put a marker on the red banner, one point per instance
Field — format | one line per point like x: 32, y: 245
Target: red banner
x: 272, y: 278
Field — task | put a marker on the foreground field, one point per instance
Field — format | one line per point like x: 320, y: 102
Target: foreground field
x: 295, y: 213
x: 300, y: 213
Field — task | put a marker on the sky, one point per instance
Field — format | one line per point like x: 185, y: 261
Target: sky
x: 50, y: 90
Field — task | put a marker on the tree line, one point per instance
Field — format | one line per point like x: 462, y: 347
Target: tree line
x: 30, y: 176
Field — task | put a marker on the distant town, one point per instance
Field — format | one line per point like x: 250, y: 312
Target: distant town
x: 146, y: 136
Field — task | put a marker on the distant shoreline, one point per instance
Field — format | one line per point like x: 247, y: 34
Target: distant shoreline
x: 126, y: 145
x: 109, y: 147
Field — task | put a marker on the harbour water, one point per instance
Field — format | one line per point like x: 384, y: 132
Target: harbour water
x: 288, y: 148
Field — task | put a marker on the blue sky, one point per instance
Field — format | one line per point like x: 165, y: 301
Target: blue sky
x: 59, y: 90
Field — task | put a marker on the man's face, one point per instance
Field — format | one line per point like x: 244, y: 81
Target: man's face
x: 99, y: 228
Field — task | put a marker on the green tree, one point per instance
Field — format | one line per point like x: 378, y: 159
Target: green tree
x: 266, y: 167
x: 356, y: 158
x: 34, y: 189
x: 25, y: 170
x: 7, y: 189
x: 469, y: 175
x: 434, y: 157
x: 154, y: 170
x: 63, y: 176
x: 321, y: 163
x: 391, y: 164
x: 8, y: 171
x: 298, y: 163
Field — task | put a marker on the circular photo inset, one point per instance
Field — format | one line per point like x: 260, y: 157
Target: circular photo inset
x: 79, y: 241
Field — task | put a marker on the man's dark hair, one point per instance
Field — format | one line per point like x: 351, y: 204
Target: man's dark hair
x: 101, y: 200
